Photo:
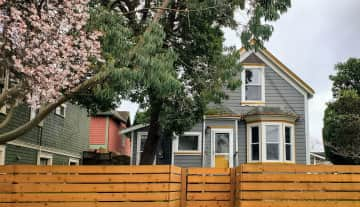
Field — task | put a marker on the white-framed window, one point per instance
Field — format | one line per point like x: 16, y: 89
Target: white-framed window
x: 253, y: 86
x: 289, y: 136
x: 73, y: 161
x: 189, y: 142
x: 2, y: 154
x: 45, y: 158
x: 254, y: 146
x: 271, y: 142
x: 140, y: 143
x: 61, y: 110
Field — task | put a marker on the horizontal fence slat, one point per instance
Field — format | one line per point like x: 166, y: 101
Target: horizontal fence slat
x: 208, y: 187
x: 299, y: 203
x: 90, y: 204
x: 88, y: 188
x: 208, y: 204
x: 31, y: 197
x: 298, y: 168
x: 208, y: 179
x: 206, y: 196
x: 257, y: 186
x: 137, y: 178
x: 299, y: 177
x: 25, y: 169
x: 272, y: 195
x: 216, y: 171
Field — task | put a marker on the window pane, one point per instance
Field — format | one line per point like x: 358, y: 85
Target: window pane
x: 272, y: 133
x: 142, y: 142
x: 288, y: 152
x: 222, y: 142
x: 287, y: 135
x: 44, y: 161
x: 255, y: 152
x: 253, y: 93
x: 272, y: 151
x: 189, y: 143
x: 254, y: 134
x: 252, y: 77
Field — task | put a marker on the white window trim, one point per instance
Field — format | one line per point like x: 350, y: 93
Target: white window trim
x: 2, y: 154
x: 262, y: 141
x: 74, y: 160
x: 231, y: 147
x: 292, y: 139
x: 249, y: 126
x: 58, y: 111
x: 45, y: 155
x: 138, y: 153
x: 198, y: 150
x: 243, y: 86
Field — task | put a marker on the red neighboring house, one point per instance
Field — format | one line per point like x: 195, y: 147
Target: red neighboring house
x: 104, y: 132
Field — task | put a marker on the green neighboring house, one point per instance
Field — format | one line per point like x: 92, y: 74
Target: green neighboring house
x: 59, y: 139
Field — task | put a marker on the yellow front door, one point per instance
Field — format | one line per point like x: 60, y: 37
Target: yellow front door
x: 221, y: 161
x: 222, y: 149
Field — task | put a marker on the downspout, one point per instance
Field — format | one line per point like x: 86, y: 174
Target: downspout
x: 203, y: 141
x: 131, y: 148
x: 236, y: 144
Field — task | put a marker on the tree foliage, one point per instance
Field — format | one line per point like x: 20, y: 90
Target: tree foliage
x: 183, y: 64
x: 347, y: 77
x: 341, y: 131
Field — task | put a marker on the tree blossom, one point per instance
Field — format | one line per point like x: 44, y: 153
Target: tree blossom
x: 46, y: 46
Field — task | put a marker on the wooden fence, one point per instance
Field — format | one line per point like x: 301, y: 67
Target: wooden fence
x: 90, y: 186
x: 249, y: 185
x: 280, y: 185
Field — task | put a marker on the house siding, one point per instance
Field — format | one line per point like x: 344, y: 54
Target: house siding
x: 68, y: 134
x: 97, y: 131
x: 278, y: 93
x: 20, y: 155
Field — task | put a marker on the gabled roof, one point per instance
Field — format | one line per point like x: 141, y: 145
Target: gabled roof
x: 133, y: 128
x: 284, y: 69
x: 120, y: 116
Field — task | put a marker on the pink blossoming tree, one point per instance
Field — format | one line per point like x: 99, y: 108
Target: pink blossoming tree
x: 46, y: 54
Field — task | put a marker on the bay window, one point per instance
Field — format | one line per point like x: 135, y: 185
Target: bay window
x: 271, y: 142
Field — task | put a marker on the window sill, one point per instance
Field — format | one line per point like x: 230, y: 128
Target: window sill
x: 252, y: 103
x: 188, y: 153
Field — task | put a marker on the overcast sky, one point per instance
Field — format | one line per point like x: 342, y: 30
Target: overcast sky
x: 310, y: 39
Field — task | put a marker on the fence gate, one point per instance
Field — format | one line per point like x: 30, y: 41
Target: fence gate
x: 208, y: 187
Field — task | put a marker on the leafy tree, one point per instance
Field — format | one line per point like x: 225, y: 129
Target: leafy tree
x: 347, y: 76
x: 183, y: 65
x: 341, y: 130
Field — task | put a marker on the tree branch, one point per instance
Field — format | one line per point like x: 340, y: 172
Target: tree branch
x: 7, y: 119
x: 13, y: 134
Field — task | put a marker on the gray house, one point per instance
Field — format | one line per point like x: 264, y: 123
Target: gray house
x: 264, y: 120
x: 59, y: 139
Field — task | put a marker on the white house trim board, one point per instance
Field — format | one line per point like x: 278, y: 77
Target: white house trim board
x: 231, y: 146
x: 42, y: 148
x: 132, y: 148
x: 307, y: 136
x: 74, y: 160
x: 2, y: 154
x: 44, y: 155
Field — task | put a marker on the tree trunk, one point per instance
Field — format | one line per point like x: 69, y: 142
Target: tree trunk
x: 152, y: 141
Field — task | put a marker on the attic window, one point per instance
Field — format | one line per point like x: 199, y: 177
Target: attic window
x: 253, y: 89
x: 61, y: 110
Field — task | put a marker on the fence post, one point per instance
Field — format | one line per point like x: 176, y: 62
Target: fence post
x: 232, y: 186
x: 183, y: 187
